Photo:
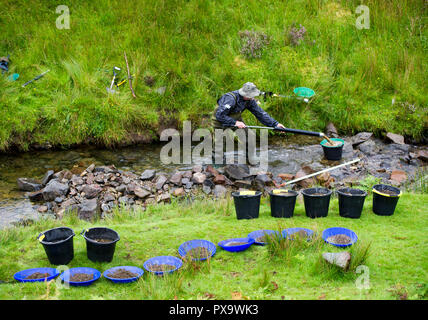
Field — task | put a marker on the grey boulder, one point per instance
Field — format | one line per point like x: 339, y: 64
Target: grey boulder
x: 340, y: 259
x: 25, y: 184
x: 55, y: 189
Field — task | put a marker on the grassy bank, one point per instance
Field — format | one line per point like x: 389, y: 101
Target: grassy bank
x: 396, y: 261
x: 193, y: 48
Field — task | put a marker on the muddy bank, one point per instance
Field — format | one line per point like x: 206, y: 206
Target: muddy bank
x: 119, y: 177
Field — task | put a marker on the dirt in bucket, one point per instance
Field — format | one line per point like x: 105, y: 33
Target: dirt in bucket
x: 261, y: 239
x: 102, y: 240
x: 161, y: 267
x: 265, y: 238
x: 284, y: 193
x: 37, y: 275
x: 339, y: 239
x: 198, y: 253
x: 390, y: 192
x: 235, y: 243
x: 333, y: 143
x: 81, y: 277
x: 298, y: 234
x: 122, y: 274
x: 318, y: 194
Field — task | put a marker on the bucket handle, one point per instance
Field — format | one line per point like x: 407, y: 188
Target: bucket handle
x: 387, y: 195
x: 86, y: 230
x: 40, y: 237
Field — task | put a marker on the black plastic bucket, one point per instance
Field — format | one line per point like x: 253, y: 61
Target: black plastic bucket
x: 58, y: 244
x: 333, y: 153
x: 384, y: 203
x: 100, y: 251
x: 282, y: 204
x: 317, y: 201
x: 247, y: 206
x: 351, y: 202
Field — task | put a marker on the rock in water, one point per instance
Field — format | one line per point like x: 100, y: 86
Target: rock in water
x: 36, y: 195
x: 25, y: 184
x: 48, y: 177
x: 340, y: 259
x: 54, y: 189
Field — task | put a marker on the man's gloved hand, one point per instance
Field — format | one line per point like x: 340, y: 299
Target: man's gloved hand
x: 265, y: 94
x: 280, y: 126
x: 240, y: 124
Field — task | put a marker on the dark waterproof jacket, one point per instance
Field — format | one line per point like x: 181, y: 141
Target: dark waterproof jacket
x: 233, y: 103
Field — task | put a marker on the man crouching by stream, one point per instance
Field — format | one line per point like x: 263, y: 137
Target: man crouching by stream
x: 228, y: 114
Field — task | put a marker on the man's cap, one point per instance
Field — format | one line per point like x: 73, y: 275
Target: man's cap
x: 249, y: 90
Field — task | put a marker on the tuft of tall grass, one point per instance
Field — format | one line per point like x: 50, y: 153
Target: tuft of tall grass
x: 291, y: 249
x: 420, y: 183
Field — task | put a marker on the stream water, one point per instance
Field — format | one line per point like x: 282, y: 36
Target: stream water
x: 286, y: 155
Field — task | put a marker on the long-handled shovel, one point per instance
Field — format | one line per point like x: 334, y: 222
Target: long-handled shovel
x: 317, y: 173
x: 297, y: 131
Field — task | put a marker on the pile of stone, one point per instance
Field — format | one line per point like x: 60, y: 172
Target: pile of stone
x: 97, y: 190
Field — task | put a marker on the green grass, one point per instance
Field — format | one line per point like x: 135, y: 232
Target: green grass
x: 396, y: 255
x: 193, y: 48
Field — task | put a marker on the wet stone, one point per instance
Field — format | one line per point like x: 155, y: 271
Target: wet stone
x: 148, y: 175
x: 54, y: 189
x: 25, y: 184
